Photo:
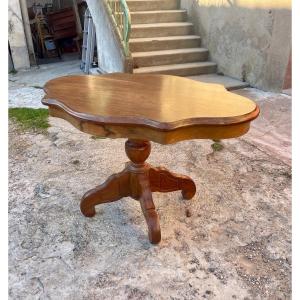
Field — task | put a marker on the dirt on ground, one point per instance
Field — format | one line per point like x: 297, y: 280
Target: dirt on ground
x: 231, y: 241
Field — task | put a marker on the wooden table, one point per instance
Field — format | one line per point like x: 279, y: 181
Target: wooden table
x: 142, y: 108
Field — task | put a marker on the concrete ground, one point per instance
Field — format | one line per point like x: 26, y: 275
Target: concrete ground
x: 25, y: 87
x: 231, y: 241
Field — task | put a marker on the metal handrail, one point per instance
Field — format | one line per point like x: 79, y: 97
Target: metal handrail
x: 121, y: 16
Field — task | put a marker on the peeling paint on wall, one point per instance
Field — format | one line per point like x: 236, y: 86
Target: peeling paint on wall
x: 265, y: 4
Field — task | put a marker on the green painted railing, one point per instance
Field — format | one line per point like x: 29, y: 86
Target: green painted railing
x: 121, y: 16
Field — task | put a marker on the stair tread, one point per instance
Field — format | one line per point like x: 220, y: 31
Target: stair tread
x: 148, y: 5
x: 185, y: 38
x: 228, y: 82
x: 145, y: 0
x: 141, y: 12
x: 169, y: 51
x: 165, y: 38
x: 171, y: 24
x: 174, y: 66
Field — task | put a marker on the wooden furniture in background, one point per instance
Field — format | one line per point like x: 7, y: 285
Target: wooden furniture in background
x: 62, y: 24
x: 160, y: 108
x: 42, y: 35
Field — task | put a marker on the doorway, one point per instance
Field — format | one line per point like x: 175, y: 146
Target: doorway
x: 56, y: 29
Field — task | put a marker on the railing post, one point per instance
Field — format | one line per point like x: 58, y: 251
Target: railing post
x: 121, y: 15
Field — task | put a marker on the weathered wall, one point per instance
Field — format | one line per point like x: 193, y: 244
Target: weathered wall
x: 250, y: 40
x: 10, y: 63
x: 16, y: 36
x: 42, y: 2
x: 63, y: 3
x: 27, y: 31
x: 110, y: 54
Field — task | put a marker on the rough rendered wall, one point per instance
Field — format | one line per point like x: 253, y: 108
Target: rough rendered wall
x: 16, y: 36
x: 248, y: 39
x: 110, y: 56
x: 63, y: 3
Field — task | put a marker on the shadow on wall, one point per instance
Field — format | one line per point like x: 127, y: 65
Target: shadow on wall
x: 248, y: 39
x: 266, y: 4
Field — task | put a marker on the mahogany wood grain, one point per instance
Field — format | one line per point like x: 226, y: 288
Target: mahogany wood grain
x: 161, y: 108
x: 143, y: 108
x: 162, y: 180
x: 113, y: 189
x: 138, y: 180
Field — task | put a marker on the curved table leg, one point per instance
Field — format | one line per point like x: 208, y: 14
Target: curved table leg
x: 138, y: 181
x: 113, y: 189
x: 162, y: 180
x: 148, y: 209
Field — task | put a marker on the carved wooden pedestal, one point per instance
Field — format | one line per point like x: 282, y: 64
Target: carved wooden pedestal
x: 138, y: 180
x: 146, y: 107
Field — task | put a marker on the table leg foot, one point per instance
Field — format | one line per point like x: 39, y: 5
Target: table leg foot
x: 162, y: 180
x: 148, y: 209
x: 152, y: 220
x: 113, y: 189
x: 88, y: 212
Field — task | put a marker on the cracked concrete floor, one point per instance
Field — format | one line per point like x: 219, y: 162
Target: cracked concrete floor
x: 235, y: 244
x: 26, y: 87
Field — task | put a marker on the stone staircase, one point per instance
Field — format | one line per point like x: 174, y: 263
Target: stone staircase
x: 163, y: 41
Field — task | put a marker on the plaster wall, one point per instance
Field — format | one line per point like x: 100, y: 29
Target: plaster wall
x: 110, y: 53
x: 63, y: 3
x: 10, y: 63
x: 42, y: 2
x: 27, y: 31
x: 16, y: 36
x: 249, y: 40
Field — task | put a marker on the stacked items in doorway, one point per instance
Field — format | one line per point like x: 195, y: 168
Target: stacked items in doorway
x: 56, y: 30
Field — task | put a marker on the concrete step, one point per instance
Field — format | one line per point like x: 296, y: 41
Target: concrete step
x: 164, y: 43
x: 158, y: 16
x: 169, y: 57
x: 228, y: 82
x: 161, y: 29
x: 187, y: 69
x: 142, y: 5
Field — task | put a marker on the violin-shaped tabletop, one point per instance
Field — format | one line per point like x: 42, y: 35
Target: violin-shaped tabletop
x: 160, y: 108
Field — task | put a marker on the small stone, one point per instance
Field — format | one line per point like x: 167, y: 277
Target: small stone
x: 239, y: 218
x: 249, y: 168
x: 76, y: 162
x: 39, y: 190
x: 188, y: 213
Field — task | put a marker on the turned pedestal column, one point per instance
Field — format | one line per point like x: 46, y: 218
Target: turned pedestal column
x: 138, y: 180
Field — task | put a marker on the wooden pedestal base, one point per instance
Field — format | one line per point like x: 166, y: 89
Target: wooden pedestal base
x: 138, y: 180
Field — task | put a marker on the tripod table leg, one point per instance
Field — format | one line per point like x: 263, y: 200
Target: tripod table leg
x: 162, y: 180
x: 113, y: 189
x: 148, y: 209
